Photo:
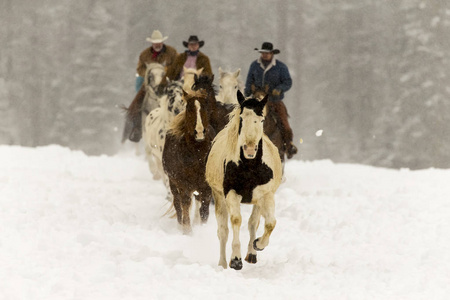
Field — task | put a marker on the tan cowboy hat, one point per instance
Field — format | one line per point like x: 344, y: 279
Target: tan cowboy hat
x: 157, y: 37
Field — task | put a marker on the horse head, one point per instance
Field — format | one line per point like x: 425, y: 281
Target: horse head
x: 251, y: 124
x: 230, y: 83
x: 259, y: 92
x: 203, y: 83
x: 154, y: 74
x: 196, y: 116
x: 188, y: 77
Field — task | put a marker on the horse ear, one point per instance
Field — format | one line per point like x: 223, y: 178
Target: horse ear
x: 220, y: 71
x: 236, y: 74
x: 212, y: 78
x: 240, y: 97
x: 195, y: 78
x: 199, y: 71
x: 263, y: 102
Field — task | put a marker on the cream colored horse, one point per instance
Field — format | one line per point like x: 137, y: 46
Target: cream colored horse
x: 188, y: 78
x: 244, y: 167
x: 230, y: 83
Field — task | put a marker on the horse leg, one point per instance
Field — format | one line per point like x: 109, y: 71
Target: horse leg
x: 205, y: 199
x: 253, y: 224
x: 186, y: 221
x: 234, y: 209
x: 268, y: 212
x: 222, y: 226
x: 169, y: 196
x: 152, y: 164
x: 176, y: 202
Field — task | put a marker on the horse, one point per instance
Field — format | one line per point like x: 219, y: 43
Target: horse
x: 188, y: 78
x: 244, y: 167
x: 218, y: 111
x: 230, y: 83
x: 272, y: 127
x: 145, y: 101
x: 186, y: 148
x: 157, y: 123
x: 153, y: 76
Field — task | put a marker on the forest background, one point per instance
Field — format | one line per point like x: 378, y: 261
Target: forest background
x: 370, y: 77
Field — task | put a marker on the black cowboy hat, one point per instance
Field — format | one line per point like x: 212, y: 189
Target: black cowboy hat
x: 267, y: 47
x: 193, y: 39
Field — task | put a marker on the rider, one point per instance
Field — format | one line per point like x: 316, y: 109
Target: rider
x: 191, y: 58
x: 267, y: 70
x: 157, y: 52
x: 160, y: 53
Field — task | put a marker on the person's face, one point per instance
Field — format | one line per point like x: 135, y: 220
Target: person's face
x: 193, y: 46
x: 157, y: 46
x: 267, y: 56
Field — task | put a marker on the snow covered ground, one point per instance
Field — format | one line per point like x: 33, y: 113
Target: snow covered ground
x: 79, y: 227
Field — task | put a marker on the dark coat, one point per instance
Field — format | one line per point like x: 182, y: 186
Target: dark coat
x: 166, y: 57
x: 276, y: 76
x: 173, y: 73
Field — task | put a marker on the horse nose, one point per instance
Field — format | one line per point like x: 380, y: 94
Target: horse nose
x: 250, y: 151
x: 200, y: 136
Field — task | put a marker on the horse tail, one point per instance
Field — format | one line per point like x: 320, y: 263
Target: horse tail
x: 171, y: 212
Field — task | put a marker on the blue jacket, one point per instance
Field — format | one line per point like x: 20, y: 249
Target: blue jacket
x: 276, y: 75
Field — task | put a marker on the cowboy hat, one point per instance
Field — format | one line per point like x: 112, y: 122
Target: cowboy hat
x: 266, y: 48
x: 156, y: 37
x: 193, y: 39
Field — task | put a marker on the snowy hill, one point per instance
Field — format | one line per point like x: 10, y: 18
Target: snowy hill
x: 82, y: 227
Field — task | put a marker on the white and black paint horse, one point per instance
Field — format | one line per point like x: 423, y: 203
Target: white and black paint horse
x: 244, y: 167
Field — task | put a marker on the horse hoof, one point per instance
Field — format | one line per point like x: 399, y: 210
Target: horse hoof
x: 236, y: 263
x: 255, y: 247
x: 251, y: 258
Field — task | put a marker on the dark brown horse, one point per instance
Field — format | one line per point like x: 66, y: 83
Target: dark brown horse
x: 218, y: 111
x: 186, y: 148
x: 272, y: 126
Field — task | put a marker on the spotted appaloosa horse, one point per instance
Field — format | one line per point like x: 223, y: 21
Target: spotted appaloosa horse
x: 244, y: 167
x: 230, y: 83
x: 184, y: 159
x: 157, y: 123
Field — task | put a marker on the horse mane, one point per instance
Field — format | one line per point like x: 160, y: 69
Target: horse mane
x: 231, y: 131
x: 178, y: 125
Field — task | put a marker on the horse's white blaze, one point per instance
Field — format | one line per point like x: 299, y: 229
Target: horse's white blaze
x: 199, y: 135
x: 154, y: 74
x: 251, y: 133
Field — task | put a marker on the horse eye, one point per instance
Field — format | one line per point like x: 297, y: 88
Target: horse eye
x: 262, y: 121
x: 220, y: 86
